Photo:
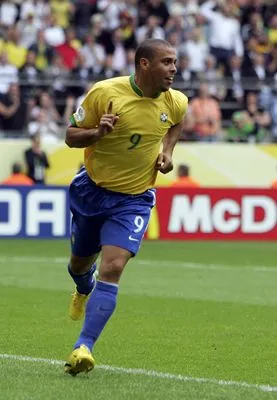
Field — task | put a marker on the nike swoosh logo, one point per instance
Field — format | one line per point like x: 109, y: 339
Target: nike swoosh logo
x: 133, y: 239
x: 102, y: 309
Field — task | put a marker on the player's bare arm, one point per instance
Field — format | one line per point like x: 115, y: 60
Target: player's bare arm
x: 84, y: 137
x: 164, y: 161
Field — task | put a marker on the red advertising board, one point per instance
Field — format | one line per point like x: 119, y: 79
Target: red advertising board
x: 209, y: 214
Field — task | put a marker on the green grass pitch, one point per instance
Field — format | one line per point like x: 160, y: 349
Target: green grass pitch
x: 194, y: 321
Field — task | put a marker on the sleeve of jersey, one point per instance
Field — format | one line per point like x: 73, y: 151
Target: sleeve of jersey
x: 181, y: 106
x: 88, y: 114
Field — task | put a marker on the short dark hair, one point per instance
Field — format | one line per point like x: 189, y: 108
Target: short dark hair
x: 183, y: 170
x: 148, y: 48
x: 16, y: 168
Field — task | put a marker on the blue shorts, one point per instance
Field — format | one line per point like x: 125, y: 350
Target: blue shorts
x: 103, y: 217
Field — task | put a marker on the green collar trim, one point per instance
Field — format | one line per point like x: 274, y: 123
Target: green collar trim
x: 72, y: 121
x: 135, y: 86
x: 136, y: 89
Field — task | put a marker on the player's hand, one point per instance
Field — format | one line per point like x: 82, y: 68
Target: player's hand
x: 107, y: 121
x: 164, y: 163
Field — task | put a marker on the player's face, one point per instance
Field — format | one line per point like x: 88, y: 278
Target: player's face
x: 163, y: 68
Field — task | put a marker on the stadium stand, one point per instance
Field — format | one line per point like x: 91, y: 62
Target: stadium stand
x: 58, y: 48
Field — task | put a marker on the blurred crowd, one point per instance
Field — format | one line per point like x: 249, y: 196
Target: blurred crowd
x: 51, y: 51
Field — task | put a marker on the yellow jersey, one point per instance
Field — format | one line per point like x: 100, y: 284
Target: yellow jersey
x: 61, y: 10
x: 16, y: 54
x: 124, y: 160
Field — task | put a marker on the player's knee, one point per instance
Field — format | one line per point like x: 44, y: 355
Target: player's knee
x: 80, y: 265
x: 112, y: 269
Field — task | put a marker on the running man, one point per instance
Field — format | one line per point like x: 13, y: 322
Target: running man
x: 128, y: 127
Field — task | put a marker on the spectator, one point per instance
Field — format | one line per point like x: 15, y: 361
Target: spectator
x: 250, y: 50
x: 17, y: 177
x: 97, y: 27
x: 186, y: 8
x: 158, y: 8
x: 36, y: 161
x: 255, y: 27
x: 111, y: 9
x: 12, y: 111
x: 67, y: 52
x: 16, y: 53
x: 272, y: 31
x: 46, y: 104
x: 80, y: 75
x: 53, y: 34
x: 252, y: 123
x: 28, y: 29
x: 184, y: 180
x: 196, y: 49
x: 173, y: 38
x: 117, y: 61
x: 213, y: 77
x: 270, y: 10
x: 127, y: 26
x: 241, y: 129
x: 43, y: 52
x: 259, y: 115
x: 57, y: 77
x: 233, y: 75
x: 29, y: 75
x: 271, y: 61
x: 81, y: 18
x: 263, y: 45
x: 254, y: 6
x: 8, y: 14
x: 207, y: 115
x: 268, y: 100
x: 93, y: 54
x: 8, y: 73
x: 45, y: 118
x: 72, y: 38
x: 256, y: 71
x: 151, y: 30
x: 62, y: 11
x: 176, y: 23
x: 184, y: 74
x: 243, y: 54
x: 142, y: 12
x: 132, y: 6
x: 49, y: 131
x: 229, y: 41
x: 39, y: 8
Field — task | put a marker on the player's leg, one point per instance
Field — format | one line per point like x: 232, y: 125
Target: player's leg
x: 85, y: 240
x: 100, y: 307
x: 102, y: 301
x: 82, y: 269
x: 121, y: 236
x: 85, y: 248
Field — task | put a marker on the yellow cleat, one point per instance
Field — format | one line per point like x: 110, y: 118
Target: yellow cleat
x: 80, y: 360
x: 78, y: 302
x: 78, y: 305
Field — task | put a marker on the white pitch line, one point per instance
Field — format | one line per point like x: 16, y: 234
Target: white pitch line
x: 150, y: 373
x: 163, y: 263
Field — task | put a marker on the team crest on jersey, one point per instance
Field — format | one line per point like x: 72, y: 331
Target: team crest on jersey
x: 80, y: 114
x: 164, y: 117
